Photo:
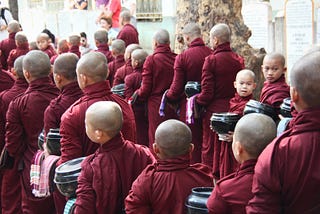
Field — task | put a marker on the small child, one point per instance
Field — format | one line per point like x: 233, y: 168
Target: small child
x: 21, y: 49
x: 107, y: 175
x: 74, y: 44
x: 252, y: 134
x: 118, y: 49
x: 275, y: 88
x: 63, y: 47
x: 44, y: 44
x: 132, y: 83
x: 163, y: 187
x: 101, y: 40
x: 244, y: 84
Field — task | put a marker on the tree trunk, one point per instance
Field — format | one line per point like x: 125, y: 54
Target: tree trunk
x: 210, y: 12
x: 13, y: 5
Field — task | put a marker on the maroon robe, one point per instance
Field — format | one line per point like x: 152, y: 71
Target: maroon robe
x: 50, y: 51
x: 53, y: 59
x: 157, y: 76
x: 228, y: 163
x: 188, y: 67
x: 232, y: 193
x: 274, y: 93
x: 104, y: 49
x: 129, y: 34
x: 76, y: 50
x: 68, y: 95
x: 74, y: 141
x: 113, y: 67
x: 122, y: 72
x: 10, y: 203
x: 132, y: 83
x: 107, y: 175
x: 24, y: 124
x: 6, y: 46
x: 287, y: 173
x: 218, y: 74
x: 6, y: 80
x: 15, y: 53
x: 164, y: 186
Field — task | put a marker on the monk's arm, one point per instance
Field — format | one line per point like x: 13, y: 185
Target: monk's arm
x: 51, y: 120
x: 128, y: 90
x: 216, y: 203
x: 147, y: 79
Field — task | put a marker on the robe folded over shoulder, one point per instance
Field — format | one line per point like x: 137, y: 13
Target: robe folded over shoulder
x: 113, y: 67
x: 104, y: 49
x: 163, y: 187
x: 122, y: 72
x: 6, y: 46
x: 74, y: 141
x: 107, y: 175
x: 129, y: 34
x: 287, y: 175
x: 15, y: 53
x: 232, y: 193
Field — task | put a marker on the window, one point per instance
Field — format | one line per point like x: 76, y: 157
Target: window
x: 149, y: 10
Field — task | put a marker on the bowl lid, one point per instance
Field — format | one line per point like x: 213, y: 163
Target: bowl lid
x: 69, y: 169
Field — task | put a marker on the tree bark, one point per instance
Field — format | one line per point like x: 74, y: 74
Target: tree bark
x: 207, y: 13
x: 13, y: 5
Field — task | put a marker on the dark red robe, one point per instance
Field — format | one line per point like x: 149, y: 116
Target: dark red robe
x: 24, y: 124
x: 113, y: 67
x: 218, y: 74
x: 9, y: 203
x: 104, y: 49
x: 132, y: 83
x: 15, y: 53
x: 164, y: 186
x: 76, y: 50
x: 157, y: 76
x: 6, y: 46
x: 74, y: 141
x: 287, y: 173
x: 129, y: 34
x: 122, y: 72
x: 6, y: 80
x: 232, y: 193
x: 107, y: 175
x: 50, y: 51
x: 188, y: 67
x: 228, y: 163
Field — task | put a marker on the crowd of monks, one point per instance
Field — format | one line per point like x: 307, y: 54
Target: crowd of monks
x: 149, y: 145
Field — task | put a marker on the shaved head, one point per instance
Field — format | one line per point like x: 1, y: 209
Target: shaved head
x: 246, y: 72
x: 192, y: 29
x: 305, y: 78
x: 93, y: 65
x: 162, y: 37
x: 21, y: 38
x: 18, y: 67
x: 254, y: 132
x: 101, y: 36
x: 37, y: 63
x: 129, y: 49
x: 105, y: 116
x: 125, y: 15
x: 275, y: 56
x: 139, y: 55
x: 63, y: 46
x: 66, y: 65
x: 74, y: 40
x: 43, y: 36
x: 173, y: 137
x: 14, y: 26
x: 118, y: 46
x: 221, y: 31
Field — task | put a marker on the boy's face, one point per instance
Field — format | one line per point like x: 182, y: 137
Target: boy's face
x: 134, y: 62
x: 244, y: 85
x: 272, y: 69
x: 42, y: 44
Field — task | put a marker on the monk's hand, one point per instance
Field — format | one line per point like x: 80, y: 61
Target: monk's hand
x: 133, y: 98
x: 174, y: 106
x: 229, y: 137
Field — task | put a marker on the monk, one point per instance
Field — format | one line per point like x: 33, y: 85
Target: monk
x: 218, y: 74
x: 157, y: 76
x: 118, y: 50
x: 104, y: 191
x: 286, y: 175
x: 128, y: 32
x: 188, y: 67
x: 252, y: 134
x: 275, y: 88
x: 101, y: 40
x: 244, y: 85
x: 24, y: 124
x: 62, y: 47
x: 132, y: 83
x: 21, y: 49
x: 6, y: 80
x: 164, y: 186
x: 9, y: 203
x: 92, y: 72
x: 9, y: 44
x: 126, y: 69
x: 74, y: 44
x: 44, y: 44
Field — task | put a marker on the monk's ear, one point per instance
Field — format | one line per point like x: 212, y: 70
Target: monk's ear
x: 235, y: 84
x: 294, y: 95
x: 98, y: 134
x: 26, y: 74
x: 191, y: 147
x: 254, y: 85
x: 155, y: 148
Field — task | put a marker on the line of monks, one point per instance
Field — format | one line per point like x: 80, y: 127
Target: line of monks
x: 147, y: 147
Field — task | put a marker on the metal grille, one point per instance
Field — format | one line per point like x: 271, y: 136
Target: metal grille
x: 149, y: 10
x: 49, y: 5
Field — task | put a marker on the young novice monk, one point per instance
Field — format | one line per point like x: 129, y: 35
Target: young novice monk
x: 101, y: 40
x: 74, y: 44
x: 164, y: 186
x: 21, y: 49
x: 63, y: 47
x: 107, y: 175
x: 252, y: 134
x: 275, y: 88
x: 118, y: 50
x: 244, y: 85
x: 44, y: 44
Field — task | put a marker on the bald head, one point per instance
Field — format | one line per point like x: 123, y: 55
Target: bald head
x: 74, y: 39
x: 93, y: 65
x: 101, y: 36
x: 222, y: 32
x: 63, y: 46
x: 66, y: 65
x: 37, y: 63
x: 129, y: 49
x: 254, y: 132
x: 162, y: 37
x: 105, y: 116
x: 246, y: 73
x: 126, y: 16
x: 192, y: 29
x: 305, y: 78
x: 118, y: 46
x: 139, y: 55
x: 43, y: 36
x: 21, y: 38
x: 173, y: 137
x: 18, y: 67
x: 275, y: 56
x: 14, y: 26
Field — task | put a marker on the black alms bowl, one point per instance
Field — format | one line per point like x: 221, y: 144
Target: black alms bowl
x: 196, y: 202
x: 66, y: 177
x: 53, y: 142
x: 192, y: 88
x: 254, y: 106
x: 41, y: 140
x: 118, y: 89
x: 222, y: 123
x: 285, y: 107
